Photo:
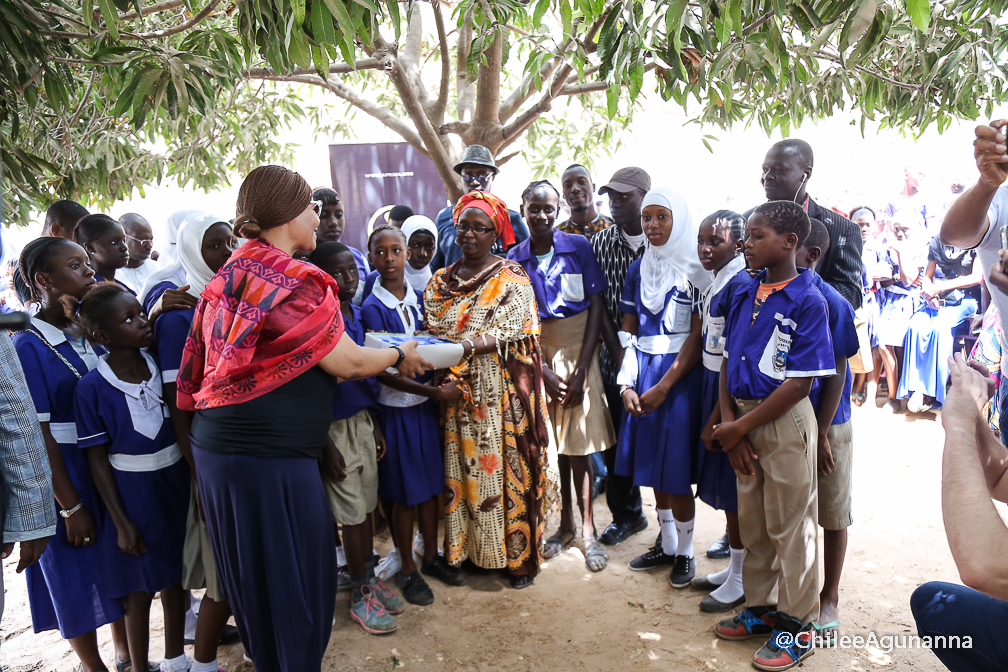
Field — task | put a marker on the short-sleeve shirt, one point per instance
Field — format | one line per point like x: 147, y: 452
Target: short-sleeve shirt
x: 128, y: 419
x: 680, y: 305
x: 156, y: 292
x: 950, y: 262
x: 713, y: 327
x: 845, y: 345
x: 987, y: 254
x: 171, y: 330
x: 572, y: 277
x: 352, y: 396
x: 789, y: 339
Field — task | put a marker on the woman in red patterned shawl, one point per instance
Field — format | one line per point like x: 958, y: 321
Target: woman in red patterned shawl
x: 259, y: 370
x: 500, y: 476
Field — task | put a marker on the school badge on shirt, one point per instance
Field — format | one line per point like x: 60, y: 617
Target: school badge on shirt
x: 773, y: 362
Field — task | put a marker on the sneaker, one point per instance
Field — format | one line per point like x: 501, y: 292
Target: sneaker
x: 784, y: 650
x: 389, y: 566
x: 343, y: 579
x: 415, y: 589
x: 371, y: 615
x: 683, y: 571
x: 655, y: 557
x: 745, y: 625
x: 442, y: 571
x: 418, y: 545
x: 393, y: 603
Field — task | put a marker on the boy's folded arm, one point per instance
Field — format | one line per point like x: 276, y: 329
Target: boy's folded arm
x: 780, y: 401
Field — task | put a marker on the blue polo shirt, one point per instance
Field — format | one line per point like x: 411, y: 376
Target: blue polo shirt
x: 845, y: 345
x: 352, y: 396
x: 572, y: 277
x: 790, y: 337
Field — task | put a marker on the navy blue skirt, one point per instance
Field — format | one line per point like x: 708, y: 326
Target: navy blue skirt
x: 717, y: 485
x: 275, y: 552
x: 412, y: 471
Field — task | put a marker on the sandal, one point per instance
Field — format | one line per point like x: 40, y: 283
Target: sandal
x: 557, y: 544
x: 827, y: 633
x: 859, y: 398
x: 596, y: 558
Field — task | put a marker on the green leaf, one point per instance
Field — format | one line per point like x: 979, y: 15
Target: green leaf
x: 393, y: 6
x: 322, y: 26
x: 87, y: 13
x: 920, y: 13
x: 298, y: 8
x: 109, y: 13
x: 339, y: 10
x: 179, y: 84
x: 321, y: 61
x: 540, y: 10
x: 735, y: 10
x: 299, y: 51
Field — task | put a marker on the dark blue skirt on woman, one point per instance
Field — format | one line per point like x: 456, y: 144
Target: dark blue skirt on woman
x: 717, y: 485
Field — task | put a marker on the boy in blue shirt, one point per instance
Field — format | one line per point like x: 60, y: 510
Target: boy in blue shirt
x: 831, y: 397
x: 777, y: 343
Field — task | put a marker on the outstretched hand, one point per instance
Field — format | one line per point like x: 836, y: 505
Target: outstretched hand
x: 990, y: 149
x: 413, y: 364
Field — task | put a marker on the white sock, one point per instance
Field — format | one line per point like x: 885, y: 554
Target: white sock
x: 204, y: 667
x: 731, y: 589
x: 175, y: 664
x: 340, y: 556
x: 718, y: 578
x: 669, y: 538
x: 684, y: 528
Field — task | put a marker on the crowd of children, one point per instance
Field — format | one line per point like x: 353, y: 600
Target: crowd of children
x: 733, y: 377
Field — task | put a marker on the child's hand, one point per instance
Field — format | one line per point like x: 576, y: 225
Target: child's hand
x: 631, y: 402
x: 380, y: 445
x: 575, y: 388
x: 449, y: 392
x: 653, y: 398
x: 331, y: 462
x: 555, y: 388
x: 728, y: 434
x: 130, y: 540
x: 707, y: 436
x: 742, y: 457
x: 81, y: 528
x: 825, y: 460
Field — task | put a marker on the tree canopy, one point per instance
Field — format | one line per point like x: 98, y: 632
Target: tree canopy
x: 99, y: 96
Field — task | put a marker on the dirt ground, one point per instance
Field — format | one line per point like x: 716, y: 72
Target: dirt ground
x: 624, y: 620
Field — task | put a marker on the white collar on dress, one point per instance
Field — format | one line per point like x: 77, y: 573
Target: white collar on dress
x: 52, y: 334
x: 148, y: 392
x: 389, y: 300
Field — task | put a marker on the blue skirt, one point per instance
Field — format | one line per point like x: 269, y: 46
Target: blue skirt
x: 275, y: 551
x: 894, y: 318
x: 929, y: 344
x: 717, y: 486
x: 659, y: 450
x: 412, y: 471
x: 158, y: 504
x: 66, y: 587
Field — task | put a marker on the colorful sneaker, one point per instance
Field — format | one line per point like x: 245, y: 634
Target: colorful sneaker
x: 784, y: 650
x: 745, y: 625
x: 371, y: 615
x: 655, y: 557
x: 393, y: 603
x: 683, y: 571
x: 388, y: 566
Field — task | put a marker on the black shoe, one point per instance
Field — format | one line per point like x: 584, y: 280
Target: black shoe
x: 229, y: 636
x: 415, y: 590
x: 655, y: 557
x: 720, y: 549
x: 620, y: 532
x: 445, y: 573
x: 598, y: 486
x: 683, y: 571
x: 712, y: 605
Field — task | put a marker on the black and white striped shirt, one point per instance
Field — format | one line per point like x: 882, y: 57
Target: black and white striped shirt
x: 614, y: 255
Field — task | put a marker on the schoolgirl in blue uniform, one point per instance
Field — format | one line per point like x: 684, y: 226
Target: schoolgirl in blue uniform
x: 137, y: 469
x: 104, y: 239
x: 719, y: 247
x: 412, y: 472
x: 66, y: 588
x: 660, y: 381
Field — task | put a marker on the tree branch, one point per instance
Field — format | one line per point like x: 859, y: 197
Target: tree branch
x: 369, y: 63
x: 578, y: 89
x: 836, y: 59
x: 153, y: 9
x: 488, y: 84
x: 528, y: 117
x: 757, y: 23
x: 455, y: 127
x: 185, y: 25
x: 438, y: 110
x: 464, y: 90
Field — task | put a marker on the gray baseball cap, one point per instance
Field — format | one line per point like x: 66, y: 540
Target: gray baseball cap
x: 627, y: 179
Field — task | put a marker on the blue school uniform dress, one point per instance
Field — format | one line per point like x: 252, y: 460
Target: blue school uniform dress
x: 170, y: 331
x: 901, y: 302
x: 843, y: 335
x: 353, y: 396
x: 412, y: 471
x: 659, y: 450
x: 716, y: 484
x: 131, y: 420
x: 66, y: 587
x: 155, y: 293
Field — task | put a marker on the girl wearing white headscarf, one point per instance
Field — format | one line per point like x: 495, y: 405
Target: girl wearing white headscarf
x: 418, y: 270
x: 660, y: 380
x: 170, y: 254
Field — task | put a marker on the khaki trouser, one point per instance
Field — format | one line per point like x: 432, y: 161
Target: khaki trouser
x: 778, y: 514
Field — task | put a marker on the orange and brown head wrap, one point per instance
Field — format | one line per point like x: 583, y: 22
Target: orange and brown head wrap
x: 269, y: 197
x: 494, y: 208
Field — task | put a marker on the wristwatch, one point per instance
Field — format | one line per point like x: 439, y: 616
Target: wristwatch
x: 402, y: 356
x: 66, y: 513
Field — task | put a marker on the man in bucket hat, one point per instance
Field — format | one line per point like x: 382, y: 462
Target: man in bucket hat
x: 478, y: 171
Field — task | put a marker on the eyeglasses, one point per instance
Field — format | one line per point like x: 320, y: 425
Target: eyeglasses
x: 146, y: 242
x: 317, y: 207
x: 475, y: 228
x: 480, y: 177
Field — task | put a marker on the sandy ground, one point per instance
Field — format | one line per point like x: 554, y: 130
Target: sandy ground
x: 624, y: 620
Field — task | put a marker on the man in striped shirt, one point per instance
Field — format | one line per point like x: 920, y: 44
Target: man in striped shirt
x: 615, y: 248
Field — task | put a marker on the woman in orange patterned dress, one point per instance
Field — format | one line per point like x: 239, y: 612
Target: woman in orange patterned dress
x: 500, y: 459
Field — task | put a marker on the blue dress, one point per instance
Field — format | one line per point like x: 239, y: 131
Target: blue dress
x: 66, y: 587
x: 150, y: 474
x: 659, y: 450
x: 412, y: 471
x: 155, y: 293
x: 171, y: 330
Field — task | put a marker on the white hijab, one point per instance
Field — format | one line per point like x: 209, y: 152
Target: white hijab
x: 418, y: 278
x: 674, y: 264
x: 175, y: 272
x: 169, y: 255
x: 190, y: 249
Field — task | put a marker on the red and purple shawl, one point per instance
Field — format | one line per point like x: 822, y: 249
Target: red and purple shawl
x: 264, y: 319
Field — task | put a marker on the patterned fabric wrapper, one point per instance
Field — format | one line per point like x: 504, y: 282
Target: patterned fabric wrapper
x: 501, y: 475
x: 264, y: 319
